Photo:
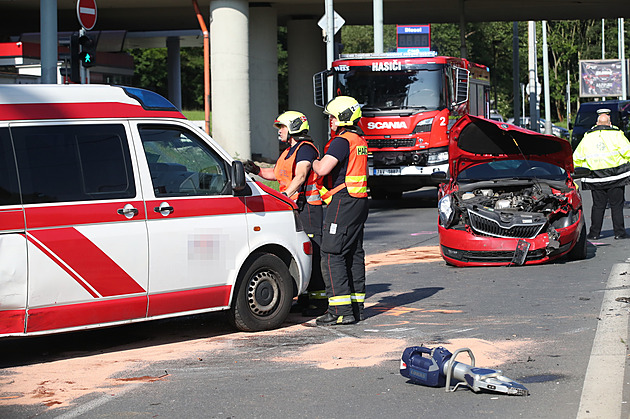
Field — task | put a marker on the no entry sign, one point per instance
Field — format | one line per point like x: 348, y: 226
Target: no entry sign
x: 86, y: 12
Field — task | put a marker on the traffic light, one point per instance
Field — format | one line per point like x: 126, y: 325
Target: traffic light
x: 87, y: 50
x: 75, y: 74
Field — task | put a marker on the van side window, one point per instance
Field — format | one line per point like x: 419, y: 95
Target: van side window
x: 73, y: 163
x: 180, y: 163
x: 9, y: 192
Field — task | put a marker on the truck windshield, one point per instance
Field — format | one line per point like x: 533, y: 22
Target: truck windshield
x: 419, y: 87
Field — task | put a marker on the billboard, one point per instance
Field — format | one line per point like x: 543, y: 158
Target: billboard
x: 600, y: 78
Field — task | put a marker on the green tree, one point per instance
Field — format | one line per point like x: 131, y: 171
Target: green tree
x: 151, y: 73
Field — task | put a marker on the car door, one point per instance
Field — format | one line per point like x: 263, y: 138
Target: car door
x: 197, y: 228
x: 85, y: 224
x: 13, y: 277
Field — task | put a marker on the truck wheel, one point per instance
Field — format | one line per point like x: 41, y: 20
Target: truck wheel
x: 579, y: 250
x: 263, y: 296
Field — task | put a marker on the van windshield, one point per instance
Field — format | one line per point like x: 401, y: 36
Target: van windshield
x: 588, y: 118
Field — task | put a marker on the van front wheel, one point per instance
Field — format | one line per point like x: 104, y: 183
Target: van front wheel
x: 263, y: 296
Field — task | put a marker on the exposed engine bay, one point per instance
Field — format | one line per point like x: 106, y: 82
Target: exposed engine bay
x: 537, y: 197
x: 512, y: 210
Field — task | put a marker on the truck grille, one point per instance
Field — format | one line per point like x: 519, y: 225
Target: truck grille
x: 391, y: 142
x: 484, y: 225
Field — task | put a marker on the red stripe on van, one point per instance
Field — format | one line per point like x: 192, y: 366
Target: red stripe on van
x: 90, y: 262
x: 175, y: 302
x: 197, y: 207
x: 11, y: 219
x: 84, y: 314
x: 266, y: 203
x: 12, y: 321
x: 21, y: 111
x: 77, y: 214
x: 52, y: 257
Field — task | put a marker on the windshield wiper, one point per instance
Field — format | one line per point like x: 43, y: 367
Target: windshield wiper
x: 370, y: 108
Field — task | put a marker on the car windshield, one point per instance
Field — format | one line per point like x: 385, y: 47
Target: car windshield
x: 414, y: 87
x: 512, y: 169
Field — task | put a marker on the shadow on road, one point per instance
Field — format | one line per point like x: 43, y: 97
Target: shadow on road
x: 37, y: 349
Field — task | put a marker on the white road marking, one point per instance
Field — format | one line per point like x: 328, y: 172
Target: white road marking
x: 86, y: 407
x: 603, y: 383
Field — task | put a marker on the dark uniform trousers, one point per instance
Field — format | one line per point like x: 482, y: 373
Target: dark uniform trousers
x: 311, y: 219
x: 614, y: 196
x: 343, y: 257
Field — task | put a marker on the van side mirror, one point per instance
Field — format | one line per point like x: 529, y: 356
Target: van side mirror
x: 439, y: 177
x: 238, y: 176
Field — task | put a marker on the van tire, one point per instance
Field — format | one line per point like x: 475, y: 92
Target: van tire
x: 263, y: 296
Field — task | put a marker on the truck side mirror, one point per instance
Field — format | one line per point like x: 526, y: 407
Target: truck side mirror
x: 320, y: 88
x: 461, y: 85
x: 238, y: 176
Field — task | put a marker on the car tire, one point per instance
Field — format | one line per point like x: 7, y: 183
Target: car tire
x: 263, y: 296
x: 579, y: 250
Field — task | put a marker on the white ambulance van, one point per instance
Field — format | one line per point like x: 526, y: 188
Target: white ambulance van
x: 116, y: 209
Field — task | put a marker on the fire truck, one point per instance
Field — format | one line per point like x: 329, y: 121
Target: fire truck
x: 409, y: 102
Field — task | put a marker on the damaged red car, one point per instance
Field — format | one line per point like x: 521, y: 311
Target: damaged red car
x: 510, y: 198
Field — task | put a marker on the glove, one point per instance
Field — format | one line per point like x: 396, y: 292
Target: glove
x: 251, y: 167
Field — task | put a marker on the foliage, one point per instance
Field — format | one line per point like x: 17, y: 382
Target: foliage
x: 151, y: 70
x: 488, y: 43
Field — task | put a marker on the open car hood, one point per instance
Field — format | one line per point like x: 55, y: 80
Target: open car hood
x: 474, y: 140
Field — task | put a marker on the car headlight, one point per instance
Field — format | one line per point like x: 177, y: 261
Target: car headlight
x: 446, y: 211
x: 423, y: 126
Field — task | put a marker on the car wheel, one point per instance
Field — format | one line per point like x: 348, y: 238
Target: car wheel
x: 263, y: 296
x: 579, y: 250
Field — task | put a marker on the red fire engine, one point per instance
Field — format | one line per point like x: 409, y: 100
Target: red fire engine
x: 409, y: 103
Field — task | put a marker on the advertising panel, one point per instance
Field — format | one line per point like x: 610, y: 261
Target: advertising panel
x: 600, y: 78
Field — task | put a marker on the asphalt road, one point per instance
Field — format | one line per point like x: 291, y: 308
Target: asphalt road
x: 539, y: 324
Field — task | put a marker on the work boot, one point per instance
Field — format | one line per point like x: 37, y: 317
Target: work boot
x: 330, y: 319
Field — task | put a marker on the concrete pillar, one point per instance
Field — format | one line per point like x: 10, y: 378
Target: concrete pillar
x: 306, y: 56
x: 263, y: 80
x: 229, y: 69
x: 174, y: 71
x: 48, y: 40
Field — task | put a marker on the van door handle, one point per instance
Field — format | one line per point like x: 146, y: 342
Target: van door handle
x: 164, y: 209
x: 128, y: 211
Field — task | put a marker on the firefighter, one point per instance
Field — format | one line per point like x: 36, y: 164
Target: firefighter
x: 344, y: 190
x: 606, y: 151
x: 297, y: 181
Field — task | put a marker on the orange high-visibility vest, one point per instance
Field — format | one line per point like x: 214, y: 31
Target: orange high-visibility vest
x: 356, y: 172
x: 285, y: 172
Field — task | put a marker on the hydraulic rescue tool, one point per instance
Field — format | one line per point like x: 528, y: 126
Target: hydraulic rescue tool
x: 439, y: 368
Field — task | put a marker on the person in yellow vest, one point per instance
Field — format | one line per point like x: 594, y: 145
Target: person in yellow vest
x: 606, y: 152
x: 344, y: 171
x: 297, y: 181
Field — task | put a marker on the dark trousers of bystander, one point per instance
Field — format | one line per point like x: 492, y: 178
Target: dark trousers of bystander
x: 615, y: 197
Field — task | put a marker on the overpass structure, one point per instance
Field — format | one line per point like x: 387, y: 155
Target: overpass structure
x: 243, y: 44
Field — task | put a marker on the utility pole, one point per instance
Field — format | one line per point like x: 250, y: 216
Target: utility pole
x: 533, y: 88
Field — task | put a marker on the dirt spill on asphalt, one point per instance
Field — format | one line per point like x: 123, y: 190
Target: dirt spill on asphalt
x: 350, y: 352
x: 422, y: 254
